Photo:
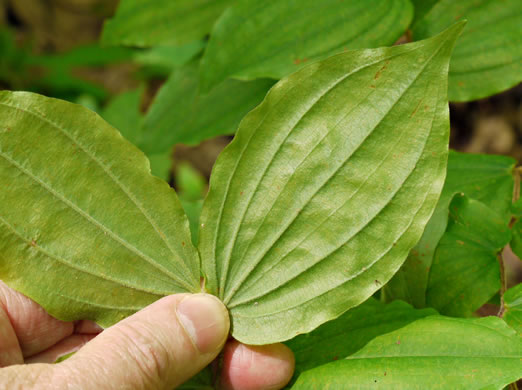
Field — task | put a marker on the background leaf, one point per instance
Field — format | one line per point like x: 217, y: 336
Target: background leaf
x: 123, y: 112
x: 347, y: 334
x: 465, y: 271
x: 486, y: 178
x: 513, y: 313
x: 139, y: 23
x: 85, y: 230
x: 448, y: 353
x: 296, y: 33
x: 180, y: 114
x: 488, y: 56
x: 516, y: 241
x: 288, y: 238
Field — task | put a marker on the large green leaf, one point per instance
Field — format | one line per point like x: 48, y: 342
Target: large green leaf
x: 180, y: 114
x: 347, y: 334
x: 295, y: 33
x: 146, y: 23
x: 486, y: 178
x: 435, y: 352
x: 465, y: 271
x: 513, y: 309
x: 85, y: 230
x: 326, y: 187
x: 488, y: 56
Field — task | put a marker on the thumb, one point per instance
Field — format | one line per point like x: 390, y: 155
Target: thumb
x: 159, y: 347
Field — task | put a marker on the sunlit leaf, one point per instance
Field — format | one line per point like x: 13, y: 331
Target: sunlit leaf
x: 434, y: 352
x: 488, y: 56
x: 85, y: 230
x: 326, y: 187
x: 295, y: 33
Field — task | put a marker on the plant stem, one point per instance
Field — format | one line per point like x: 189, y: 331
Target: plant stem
x: 503, y: 285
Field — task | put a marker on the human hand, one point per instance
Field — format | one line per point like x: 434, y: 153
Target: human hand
x: 159, y: 347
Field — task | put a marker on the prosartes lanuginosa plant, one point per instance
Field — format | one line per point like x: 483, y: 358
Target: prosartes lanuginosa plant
x: 316, y: 203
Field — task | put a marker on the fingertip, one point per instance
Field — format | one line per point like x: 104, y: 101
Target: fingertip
x: 248, y: 367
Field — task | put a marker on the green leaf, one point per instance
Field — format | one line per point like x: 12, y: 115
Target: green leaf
x: 123, y: 113
x: 326, y: 187
x: 488, y: 56
x: 347, y: 334
x: 180, y: 114
x: 85, y: 230
x: 145, y: 23
x: 160, y: 165
x: 169, y: 57
x: 516, y: 241
x: 191, y: 184
x: 421, y: 8
x: 434, y: 352
x: 193, y: 210
x: 513, y: 308
x: 295, y: 33
x: 465, y: 271
x: 486, y: 178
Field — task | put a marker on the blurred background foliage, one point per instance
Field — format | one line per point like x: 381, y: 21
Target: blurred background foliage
x: 52, y: 47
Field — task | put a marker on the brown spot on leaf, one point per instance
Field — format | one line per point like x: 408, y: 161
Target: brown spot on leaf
x: 379, y: 72
x: 460, y: 242
x: 33, y: 243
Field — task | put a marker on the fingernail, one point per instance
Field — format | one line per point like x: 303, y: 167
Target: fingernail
x: 205, y: 319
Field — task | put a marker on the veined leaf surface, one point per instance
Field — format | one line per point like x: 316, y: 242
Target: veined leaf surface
x: 486, y: 178
x: 85, y: 230
x: 488, y: 56
x: 296, y: 33
x: 465, y: 271
x: 146, y: 23
x: 434, y: 352
x: 326, y: 187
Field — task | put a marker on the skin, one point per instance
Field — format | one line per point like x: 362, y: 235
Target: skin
x: 160, y: 347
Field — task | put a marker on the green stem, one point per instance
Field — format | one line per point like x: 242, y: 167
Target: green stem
x: 503, y: 285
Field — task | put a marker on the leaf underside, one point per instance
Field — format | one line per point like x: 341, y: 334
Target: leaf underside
x: 326, y: 187
x: 85, y: 230
x: 488, y: 56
